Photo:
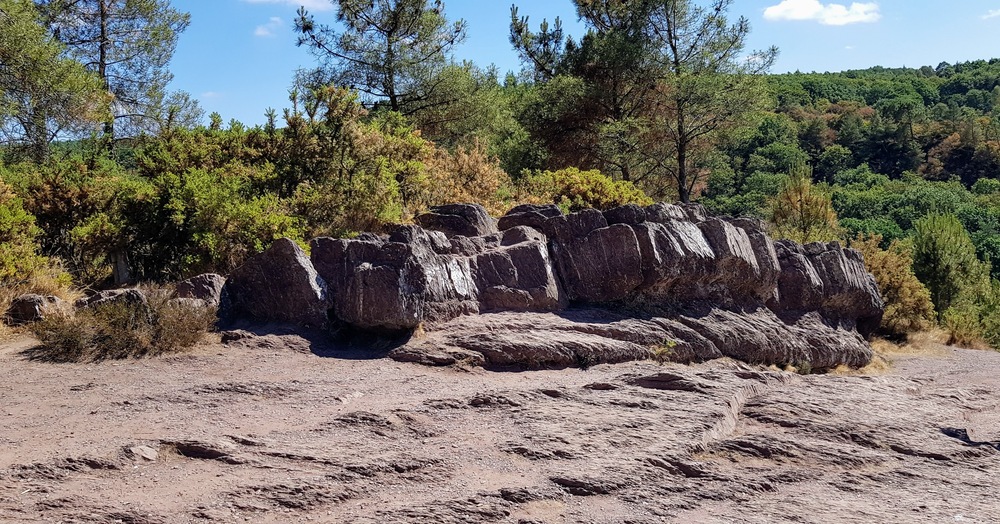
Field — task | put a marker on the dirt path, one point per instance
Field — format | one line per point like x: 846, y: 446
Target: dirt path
x: 264, y: 433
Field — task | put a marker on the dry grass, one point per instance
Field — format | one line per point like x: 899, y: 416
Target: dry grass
x: 50, y: 281
x: 930, y: 342
x: 122, y: 330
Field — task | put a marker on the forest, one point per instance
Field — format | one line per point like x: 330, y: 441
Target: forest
x: 108, y: 179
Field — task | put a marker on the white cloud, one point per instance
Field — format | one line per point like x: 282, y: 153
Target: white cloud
x: 312, y: 5
x: 268, y: 29
x: 827, y: 14
x: 210, y: 94
x: 992, y: 13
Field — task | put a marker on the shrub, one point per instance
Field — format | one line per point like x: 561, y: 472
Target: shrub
x: 908, y: 307
x: 467, y: 175
x: 944, y: 259
x: 573, y: 190
x: 964, y: 326
x: 19, y: 258
x: 121, y: 330
x: 22, y: 269
x: 803, y: 212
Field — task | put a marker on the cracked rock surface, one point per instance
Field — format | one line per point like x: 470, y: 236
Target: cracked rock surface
x: 274, y: 433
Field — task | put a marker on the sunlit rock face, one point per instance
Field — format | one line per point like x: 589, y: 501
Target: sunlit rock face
x: 598, y: 286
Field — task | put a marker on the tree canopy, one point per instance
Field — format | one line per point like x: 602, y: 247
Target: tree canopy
x: 128, y: 44
x: 42, y: 92
x: 392, y: 51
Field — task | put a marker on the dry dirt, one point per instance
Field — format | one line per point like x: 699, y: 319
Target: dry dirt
x: 267, y: 431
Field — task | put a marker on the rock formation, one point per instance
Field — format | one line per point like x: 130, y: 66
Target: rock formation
x: 540, y: 288
x: 31, y: 307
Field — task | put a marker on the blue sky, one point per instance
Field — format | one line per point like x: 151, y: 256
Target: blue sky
x: 238, y: 56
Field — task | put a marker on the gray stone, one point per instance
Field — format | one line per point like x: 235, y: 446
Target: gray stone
x: 131, y: 297
x: 469, y: 220
x: 605, y: 265
x: 207, y: 287
x: 29, y: 308
x: 529, y: 215
x: 279, y: 285
x: 143, y: 453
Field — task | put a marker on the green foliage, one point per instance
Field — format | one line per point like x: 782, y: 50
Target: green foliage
x: 986, y: 186
x: 652, y: 87
x: 944, y: 259
x: 964, y: 326
x: 18, y: 250
x: 41, y: 91
x: 803, y: 212
x: 122, y: 330
x: 208, y: 221
x: 391, y: 50
x: 128, y: 44
x: 882, y: 227
x: 908, y: 307
x: 573, y: 190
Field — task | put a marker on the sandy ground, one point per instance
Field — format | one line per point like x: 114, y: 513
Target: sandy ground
x: 270, y: 432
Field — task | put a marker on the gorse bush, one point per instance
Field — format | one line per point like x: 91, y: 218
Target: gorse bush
x: 467, y: 175
x: 123, y: 329
x: 22, y: 268
x: 573, y: 190
x: 19, y: 258
x: 908, y: 307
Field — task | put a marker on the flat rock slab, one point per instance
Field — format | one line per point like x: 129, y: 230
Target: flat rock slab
x: 257, y: 433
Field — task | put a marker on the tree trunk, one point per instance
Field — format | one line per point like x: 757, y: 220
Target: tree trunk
x: 38, y: 135
x: 121, y: 272
x: 102, y: 63
x: 683, y: 193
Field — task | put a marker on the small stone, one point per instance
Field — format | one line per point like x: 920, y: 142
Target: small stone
x: 143, y: 452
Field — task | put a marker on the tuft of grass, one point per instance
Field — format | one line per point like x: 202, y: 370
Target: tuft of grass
x: 664, y: 351
x: 116, y: 331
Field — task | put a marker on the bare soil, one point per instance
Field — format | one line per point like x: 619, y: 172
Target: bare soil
x: 268, y: 431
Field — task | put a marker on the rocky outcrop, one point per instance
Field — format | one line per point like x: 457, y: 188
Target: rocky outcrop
x: 31, y: 307
x: 614, y: 284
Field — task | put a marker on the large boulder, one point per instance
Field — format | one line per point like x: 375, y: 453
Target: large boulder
x: 206, y: 287
x: 396, y: 284
x: 31, y: 307
x: 828, y: 278
x: 279, y: 285
x: 603, y: 266
x: 530, y: 215
x: 418, y: 276
x: 469, y: 220
x: 518, y: 275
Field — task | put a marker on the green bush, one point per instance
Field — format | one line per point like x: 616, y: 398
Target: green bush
x: 19, y: 258
x: 944, y: 259
x: 964, y: 326
x: 573, y: 190
x: 803, y: 212
x: 121, y: 330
